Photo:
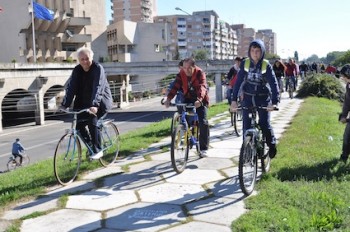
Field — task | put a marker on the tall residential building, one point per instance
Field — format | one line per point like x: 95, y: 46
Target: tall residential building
x: 203, y: 30
x: 76, y: 24
x: 247, y: 35
x: 135, y: 10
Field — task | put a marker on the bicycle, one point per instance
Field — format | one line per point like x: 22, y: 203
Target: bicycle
x: 68, y: 152
x: 184, y: 136
x: 253, y: 148
x: 290, y: 82
x: 14, y: 161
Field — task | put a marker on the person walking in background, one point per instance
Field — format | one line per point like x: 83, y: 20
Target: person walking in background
x: 279, y: 68
x: 257, y: 86
x: 192, y: 80
x: 344, y: 117
x: 17, y: 150
x: 89, y: 88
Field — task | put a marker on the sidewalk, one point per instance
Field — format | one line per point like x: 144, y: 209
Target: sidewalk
x: 151, y: 196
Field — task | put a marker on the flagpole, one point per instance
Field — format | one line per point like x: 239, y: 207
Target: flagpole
x: 33, y: 32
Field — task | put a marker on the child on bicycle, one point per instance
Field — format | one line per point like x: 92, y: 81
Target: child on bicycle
x: 17, y: 150
x: 231, y: 78
x: 344, y: 116
x: 257, y: 86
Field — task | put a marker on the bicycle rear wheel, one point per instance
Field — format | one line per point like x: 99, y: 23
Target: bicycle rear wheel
x: 247, y: 166
x: 291, y: 89
x: 237, y: 116
x: 179, y: 148
x: 12, y: 165
x: 110, y: 143
x: 67, y: 159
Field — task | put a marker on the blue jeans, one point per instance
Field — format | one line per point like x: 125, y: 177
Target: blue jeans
x: 294, y: 82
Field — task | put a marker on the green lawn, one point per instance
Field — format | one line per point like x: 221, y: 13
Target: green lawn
x: 307, y: 188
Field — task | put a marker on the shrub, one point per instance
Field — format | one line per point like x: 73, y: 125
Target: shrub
x: 322, y: 85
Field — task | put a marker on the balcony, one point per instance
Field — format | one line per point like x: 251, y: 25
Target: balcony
x: 76, y: 38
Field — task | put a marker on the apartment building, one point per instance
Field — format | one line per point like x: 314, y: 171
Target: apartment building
x: 246, y: 35
x: 76, y: 24
x: 203, y: 30
x: 135, y: 10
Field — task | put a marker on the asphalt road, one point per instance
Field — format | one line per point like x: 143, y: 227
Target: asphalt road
x: 40, y: 141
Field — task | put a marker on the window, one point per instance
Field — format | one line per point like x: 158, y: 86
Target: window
x: 156, y: 48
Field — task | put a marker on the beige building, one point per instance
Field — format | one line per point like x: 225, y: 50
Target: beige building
x: 76, y: 24
x: 137, y: 41
x: 247, y: 35
x: 134, y: 10
x: 203, y: 30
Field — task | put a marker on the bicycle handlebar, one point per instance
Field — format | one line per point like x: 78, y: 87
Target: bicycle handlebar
x: 78, y: 112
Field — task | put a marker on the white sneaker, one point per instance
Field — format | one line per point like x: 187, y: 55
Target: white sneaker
x: 203, y: 153
x: 97, y: 155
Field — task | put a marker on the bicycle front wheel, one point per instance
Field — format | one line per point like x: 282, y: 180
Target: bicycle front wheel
x: 67, y: 159
x: 265, y: 160
x: 25, y: 160
x: 179, y: 148
x: 247, y: 166
x: 175, y: 121
x: 110, y: 143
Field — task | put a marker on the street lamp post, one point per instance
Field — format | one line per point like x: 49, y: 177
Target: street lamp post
x: 178, y: 8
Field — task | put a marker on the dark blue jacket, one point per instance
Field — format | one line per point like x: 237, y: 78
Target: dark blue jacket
x: 253, y: 83
x: 98, y: 93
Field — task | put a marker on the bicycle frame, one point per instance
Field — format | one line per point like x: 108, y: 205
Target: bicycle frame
x: 76, y: 134
x: 190, y: 130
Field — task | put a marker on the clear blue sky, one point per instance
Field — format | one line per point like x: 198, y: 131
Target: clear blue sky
x: 307, y: 26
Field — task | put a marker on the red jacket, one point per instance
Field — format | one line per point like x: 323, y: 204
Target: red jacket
x: 198, y: 82
x: 291, y: 70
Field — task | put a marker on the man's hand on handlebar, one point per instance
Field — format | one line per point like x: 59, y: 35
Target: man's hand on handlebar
x: 271, y: 107
x: 234, y: 106
x: 167, y: 103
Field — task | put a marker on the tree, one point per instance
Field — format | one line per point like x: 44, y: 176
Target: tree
x: 296, y: 56
x: 200, y: 54
x: 344, y: 59
x: 313, y: 58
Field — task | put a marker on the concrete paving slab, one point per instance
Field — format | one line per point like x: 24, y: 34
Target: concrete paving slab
x: 144, y: 217
x: 77, y: 186
x: 110, y: 170
x: 39, y: 205
x: 210, y: 163
x: 133, y: 181
x: 101, y: 199
x: 172, y: 193
x: 199, y: 227
x: 64, y: 220
x: 228, y: 188
x: 194, y: 176
x: 216, y: 210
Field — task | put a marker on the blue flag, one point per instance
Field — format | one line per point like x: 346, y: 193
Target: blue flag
x: 42, y: 12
